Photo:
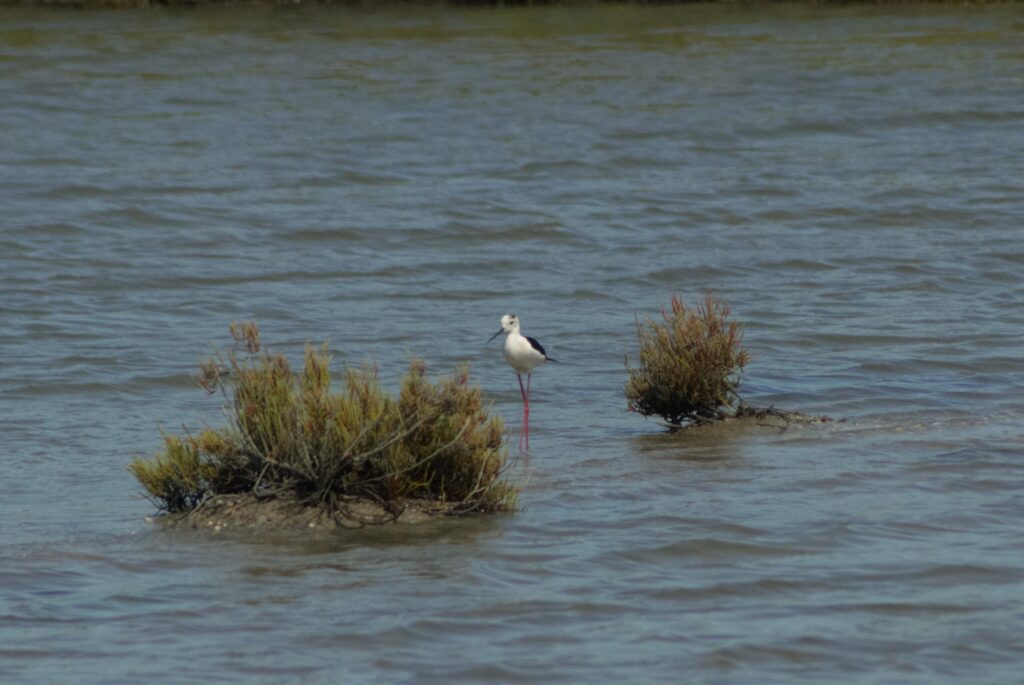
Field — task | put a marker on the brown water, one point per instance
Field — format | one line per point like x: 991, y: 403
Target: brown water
x: 394, y: 181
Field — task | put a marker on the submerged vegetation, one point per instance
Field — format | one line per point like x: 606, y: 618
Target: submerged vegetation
x: 290, y: 435
x: 688, y: 364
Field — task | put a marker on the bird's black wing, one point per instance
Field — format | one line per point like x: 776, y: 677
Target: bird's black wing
x: 540, y: 348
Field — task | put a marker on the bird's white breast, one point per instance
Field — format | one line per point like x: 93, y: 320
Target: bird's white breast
x: 519, y: 353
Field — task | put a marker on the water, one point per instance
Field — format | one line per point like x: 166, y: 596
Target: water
x: 395, y: 180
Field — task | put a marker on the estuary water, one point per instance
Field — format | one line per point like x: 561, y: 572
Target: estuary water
x: 393, y: 181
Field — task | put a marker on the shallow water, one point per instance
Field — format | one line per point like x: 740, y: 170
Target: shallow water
x: 395, y: 180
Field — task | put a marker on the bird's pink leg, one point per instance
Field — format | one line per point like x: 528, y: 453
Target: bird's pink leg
x: 527, y: 422
x: 526, y: 413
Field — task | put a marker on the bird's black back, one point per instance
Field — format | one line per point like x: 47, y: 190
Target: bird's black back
x: 540, y: 348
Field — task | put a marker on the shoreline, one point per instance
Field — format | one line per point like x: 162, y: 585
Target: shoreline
x: 245, y: 511
x: 372, y: 4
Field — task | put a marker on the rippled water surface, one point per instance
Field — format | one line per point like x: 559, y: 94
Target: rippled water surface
x: 395, y: 180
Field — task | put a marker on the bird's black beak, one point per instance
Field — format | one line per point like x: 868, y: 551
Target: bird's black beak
x: 500, y: 331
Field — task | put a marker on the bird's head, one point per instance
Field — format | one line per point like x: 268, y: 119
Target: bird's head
x: 509, y: 323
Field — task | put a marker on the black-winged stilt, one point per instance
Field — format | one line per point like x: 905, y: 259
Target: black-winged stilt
x: 523, y: 354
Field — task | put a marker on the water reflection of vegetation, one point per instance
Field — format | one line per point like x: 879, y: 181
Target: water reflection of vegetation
x: 291, y: 436
x: 719, y: 444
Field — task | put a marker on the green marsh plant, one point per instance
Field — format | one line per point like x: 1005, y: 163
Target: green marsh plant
x: 291, y: 433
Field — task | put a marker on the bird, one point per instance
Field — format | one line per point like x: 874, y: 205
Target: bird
x: 523, y: 354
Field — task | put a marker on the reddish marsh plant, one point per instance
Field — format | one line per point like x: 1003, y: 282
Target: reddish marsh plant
x: 688, y: 364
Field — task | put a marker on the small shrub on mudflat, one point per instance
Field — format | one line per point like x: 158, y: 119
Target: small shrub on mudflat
x: 178, y: 478
x: 688, y: 364
x: 291, y: 434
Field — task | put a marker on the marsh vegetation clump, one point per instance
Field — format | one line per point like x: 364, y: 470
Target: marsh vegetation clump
x: 688, y: 364
x: 292, y: 435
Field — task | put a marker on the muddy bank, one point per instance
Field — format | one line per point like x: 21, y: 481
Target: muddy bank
x: 758, y: 417
x: 124, y: 4
x: 247, y: 512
